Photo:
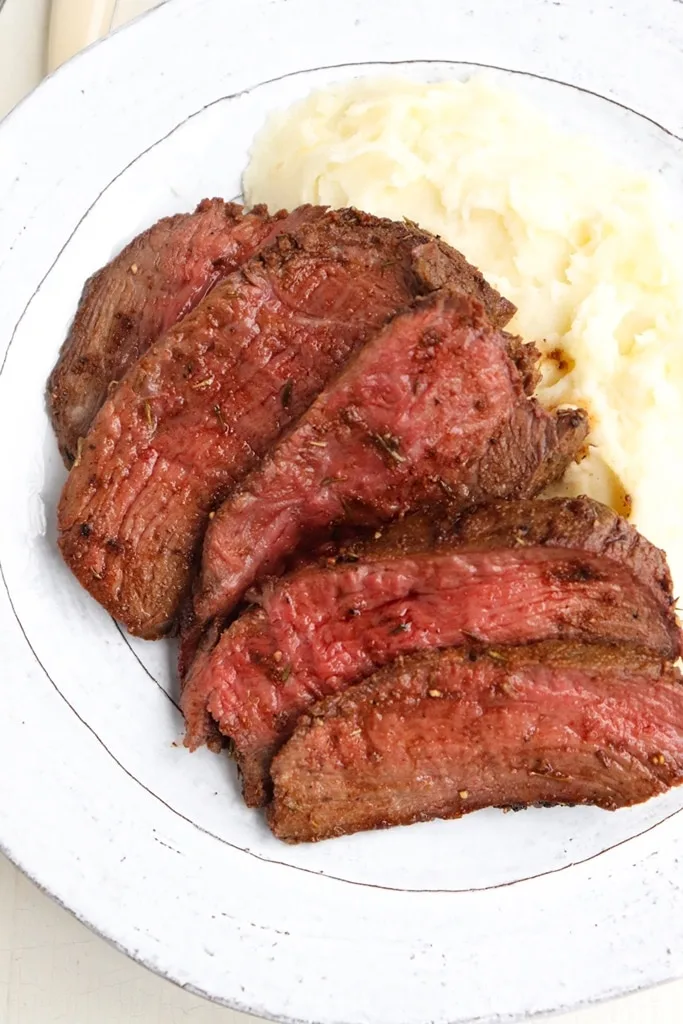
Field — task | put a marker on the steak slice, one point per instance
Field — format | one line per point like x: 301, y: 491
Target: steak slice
x: 441, y: 734
x: 151, y: 285
x: 212, y: 395
x: 566, y: 569
x: 579, y: 524
x: 433, y: 409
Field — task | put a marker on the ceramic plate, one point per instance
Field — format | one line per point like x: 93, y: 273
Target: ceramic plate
x: 494, y: 917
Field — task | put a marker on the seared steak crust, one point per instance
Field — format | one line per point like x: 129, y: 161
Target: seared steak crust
x: 152, y: 284
x: 212, y: 395
x: 445, y: 733
x: 433, y: 410
x: 580, y: 524
x: 546, y: 570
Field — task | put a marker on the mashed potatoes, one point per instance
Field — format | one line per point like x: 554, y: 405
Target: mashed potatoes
x: 583, y: 247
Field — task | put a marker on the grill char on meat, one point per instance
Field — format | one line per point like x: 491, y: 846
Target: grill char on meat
x: 212, y: 395
x: 441, y: 734
x: 511, y: 573
x: 152, y: 284
x: 433, y: 409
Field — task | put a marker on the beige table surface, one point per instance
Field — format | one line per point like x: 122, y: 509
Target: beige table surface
x: 53, y: 970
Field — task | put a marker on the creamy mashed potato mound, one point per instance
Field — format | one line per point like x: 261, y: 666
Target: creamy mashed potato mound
x: 585, y: 248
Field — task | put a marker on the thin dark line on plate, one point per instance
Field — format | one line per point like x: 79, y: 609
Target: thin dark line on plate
x: 261, y: 1012
x: 148, y: 149
x: 298, y: 867
x: 308, y: 71
x: 142, y: 665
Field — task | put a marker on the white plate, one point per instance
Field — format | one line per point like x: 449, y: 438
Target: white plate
x: 491, y: 918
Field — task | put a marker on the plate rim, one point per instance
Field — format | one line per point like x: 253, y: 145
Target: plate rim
x: 234, y: 1004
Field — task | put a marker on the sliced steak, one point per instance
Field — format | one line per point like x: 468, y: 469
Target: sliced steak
x: 445, y: 733
x: 151, y: 285
x: 579, y: 524
x: 212, y: 395
x: 579, y: 572
x: 434, y: 408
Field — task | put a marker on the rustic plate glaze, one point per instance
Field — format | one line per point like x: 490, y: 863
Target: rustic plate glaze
x: 496, y: 917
